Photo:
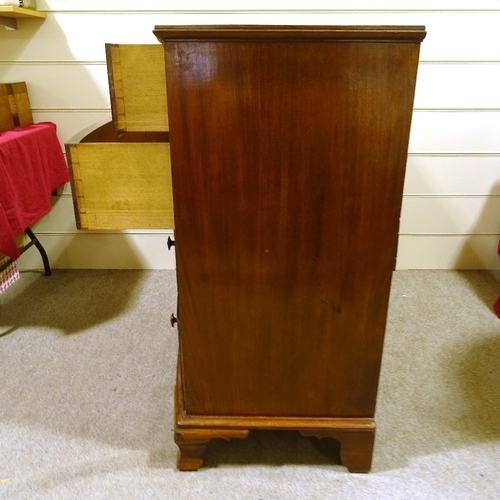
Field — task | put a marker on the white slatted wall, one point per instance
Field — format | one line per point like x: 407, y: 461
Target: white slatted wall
x: 451, y: 209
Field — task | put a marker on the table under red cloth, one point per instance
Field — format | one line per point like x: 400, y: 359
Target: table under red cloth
x: 32, y: 165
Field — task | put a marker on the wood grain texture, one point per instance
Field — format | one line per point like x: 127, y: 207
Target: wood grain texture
x: 6, y: 119
x: 291, y: 33
x: 20, y: 13
x: 136, y: 76
x: 20, y: 103
x: 15, y: 108
x: 288, y: 161
x: 192, y: 433
x: 356, y: 446
x: 192, y: 444
x: 125, y: 184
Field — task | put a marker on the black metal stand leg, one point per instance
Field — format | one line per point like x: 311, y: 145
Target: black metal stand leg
x: 43, y: 253
x: 33, y: 241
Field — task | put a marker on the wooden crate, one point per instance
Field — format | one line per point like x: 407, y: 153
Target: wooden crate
x: 18, y: 105
x: 6, y: 119
x: 121, y: 181
x: 136, y: 76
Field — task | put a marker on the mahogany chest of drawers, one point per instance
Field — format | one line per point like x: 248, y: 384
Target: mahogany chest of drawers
x: 288, y: 152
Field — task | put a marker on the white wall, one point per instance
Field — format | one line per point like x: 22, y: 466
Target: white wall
x: 451, y: 208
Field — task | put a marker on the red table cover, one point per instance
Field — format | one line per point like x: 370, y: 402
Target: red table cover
x: 32, y: 165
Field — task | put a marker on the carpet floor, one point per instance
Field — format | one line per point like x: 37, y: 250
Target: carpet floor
x: 87, y: 367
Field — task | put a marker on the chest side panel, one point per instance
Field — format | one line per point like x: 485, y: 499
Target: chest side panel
x: 288, y: 164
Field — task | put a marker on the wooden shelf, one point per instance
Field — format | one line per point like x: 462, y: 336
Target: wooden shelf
x: 10, y: 14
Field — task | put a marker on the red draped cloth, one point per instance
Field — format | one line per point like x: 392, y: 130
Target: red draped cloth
x: 32, y: 165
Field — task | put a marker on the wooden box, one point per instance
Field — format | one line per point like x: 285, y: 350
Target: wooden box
x: 15, y: 108
x: 19, y: 103
x: 6, y: 118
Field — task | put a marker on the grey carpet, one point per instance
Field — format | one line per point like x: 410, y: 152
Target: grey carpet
x: 87, y: 376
